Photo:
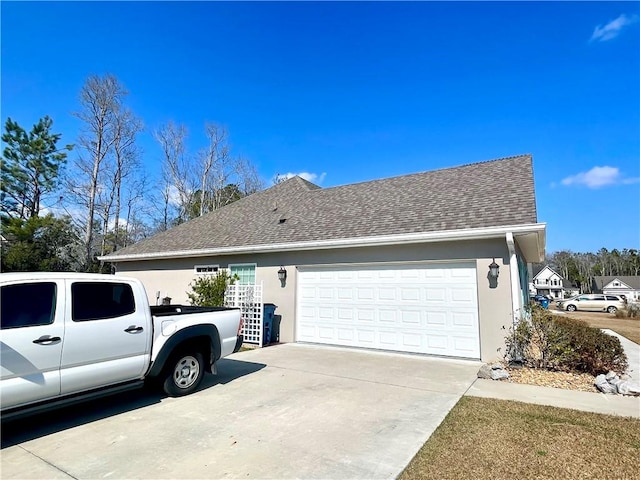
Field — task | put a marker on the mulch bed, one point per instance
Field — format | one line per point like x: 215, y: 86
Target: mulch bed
x: 545, y: 378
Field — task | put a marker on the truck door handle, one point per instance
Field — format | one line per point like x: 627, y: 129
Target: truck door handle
x: 46, y: 339
x: 133, y: 329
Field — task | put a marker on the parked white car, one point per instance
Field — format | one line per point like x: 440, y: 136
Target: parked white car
x: 595, y: 302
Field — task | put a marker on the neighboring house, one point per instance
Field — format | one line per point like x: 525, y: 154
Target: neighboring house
x: 399, y: 264
x: 570, y: 290
x: 548, y: 282
x: 629, y: 286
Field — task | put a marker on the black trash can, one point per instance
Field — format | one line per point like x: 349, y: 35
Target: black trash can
x: 268, y: 311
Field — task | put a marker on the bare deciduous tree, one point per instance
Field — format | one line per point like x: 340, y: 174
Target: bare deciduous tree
x: 177, y: 171
x: 100, y: 102
x: 126, y: 161
x: 205, y: 182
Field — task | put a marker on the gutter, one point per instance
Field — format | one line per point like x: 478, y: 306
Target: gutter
x: 515, y: 276
x: 384, y: 240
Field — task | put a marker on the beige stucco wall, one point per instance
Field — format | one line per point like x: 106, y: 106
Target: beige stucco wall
x: 172, y: 278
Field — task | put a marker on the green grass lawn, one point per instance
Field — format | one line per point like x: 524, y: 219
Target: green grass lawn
x: 496, y: 439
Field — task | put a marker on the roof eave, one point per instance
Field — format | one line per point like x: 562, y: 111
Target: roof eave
x: 532, y: 235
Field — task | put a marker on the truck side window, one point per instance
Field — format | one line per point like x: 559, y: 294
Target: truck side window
x: 27, y: 304
x: 100, y: 300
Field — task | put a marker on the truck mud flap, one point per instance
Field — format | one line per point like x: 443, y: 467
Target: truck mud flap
x: 238, y: 343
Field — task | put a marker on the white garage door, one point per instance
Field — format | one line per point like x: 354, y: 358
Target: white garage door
x: 429, y: 309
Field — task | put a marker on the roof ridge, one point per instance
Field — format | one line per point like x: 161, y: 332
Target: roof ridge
x: 473, y: 164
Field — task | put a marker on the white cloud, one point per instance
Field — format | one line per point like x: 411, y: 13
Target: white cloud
x: 613, y: 28
x: 316, y: 178
x: 599, y: 177
x: 173, y: 196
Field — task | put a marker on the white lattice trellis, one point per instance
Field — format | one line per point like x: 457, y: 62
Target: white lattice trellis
x: 249, y: 299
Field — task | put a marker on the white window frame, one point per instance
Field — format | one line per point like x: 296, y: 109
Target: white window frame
x: 254, y: 265
x: 215, y: 269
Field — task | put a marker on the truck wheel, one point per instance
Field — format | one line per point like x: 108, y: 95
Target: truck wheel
x: 184, y: 373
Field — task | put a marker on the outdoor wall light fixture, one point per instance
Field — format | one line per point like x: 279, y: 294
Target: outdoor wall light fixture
x: 282, y: 276
x: 494, y: 269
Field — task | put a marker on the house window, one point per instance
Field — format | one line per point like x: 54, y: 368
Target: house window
x: 616, y: 284
x: 246, y: 273
x: 205, y: 269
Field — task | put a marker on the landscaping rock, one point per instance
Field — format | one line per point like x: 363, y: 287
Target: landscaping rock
x: 628, y: 388
x: 499, y: 374
x: 603, y: 385
x: 485, y: 372
x: 611, y: 383
x: 494, y: 372
x: 611, y: 377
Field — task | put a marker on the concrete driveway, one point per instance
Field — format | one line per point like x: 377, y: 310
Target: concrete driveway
x: 287, y: 411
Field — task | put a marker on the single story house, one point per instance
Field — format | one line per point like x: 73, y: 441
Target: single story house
x: 432, y: 263
x: 627, y: 285
x: 546, y: 281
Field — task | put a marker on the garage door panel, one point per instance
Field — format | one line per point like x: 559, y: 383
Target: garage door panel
x: 387, y: 316
x: 365, y: 294
x: 326, y: 333
x: 386, y: 274
x: 346, y: 334
x: 345, y: 293
x: 435, y: 274
x: 408, y: 294
x: 435, y: 319
x: 387, y: 294
x: 366, y: 337
x: 464, y: 320
x: 436, y: 294
x: 365, y: 315
x: 409, y: 273
x: 465, y: 344
x: 308, y: 293
x: 413, y: 308
x: 437, y: 344
x: 326, y: 293
x: 388, y: 339
x: 465, y: 296
x: 410, y: 318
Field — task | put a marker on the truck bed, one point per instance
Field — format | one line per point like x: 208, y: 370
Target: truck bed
x: 165, y: 310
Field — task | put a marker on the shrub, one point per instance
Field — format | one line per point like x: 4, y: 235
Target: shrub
x: 560, y: 343
x: 632, y: 310
x: 209, y: 290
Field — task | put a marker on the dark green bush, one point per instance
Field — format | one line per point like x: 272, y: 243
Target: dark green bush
x: 593, y: 351
x: 560, y: 343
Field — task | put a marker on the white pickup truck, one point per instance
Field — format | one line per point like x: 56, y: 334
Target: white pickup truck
x: 71, y: 336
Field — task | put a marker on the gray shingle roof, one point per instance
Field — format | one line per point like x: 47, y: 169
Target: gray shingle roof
x: 493, y: 193
x: 631, y: 280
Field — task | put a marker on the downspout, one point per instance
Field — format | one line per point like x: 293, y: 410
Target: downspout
x: 515, y: 277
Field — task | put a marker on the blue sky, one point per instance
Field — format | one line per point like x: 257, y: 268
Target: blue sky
x: 352, y: 91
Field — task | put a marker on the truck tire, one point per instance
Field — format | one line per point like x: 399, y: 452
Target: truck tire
x: 184, y: 373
